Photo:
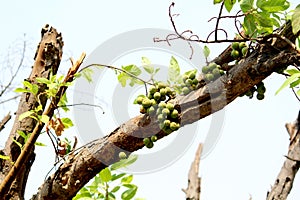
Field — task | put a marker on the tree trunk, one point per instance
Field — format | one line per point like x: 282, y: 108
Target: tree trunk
x: 47, y: 60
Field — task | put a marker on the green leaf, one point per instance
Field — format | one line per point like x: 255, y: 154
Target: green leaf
x: 292, y: 71
x: 149, y: 68
x: 67, y: 122
x: 18, y: 143
x: 19, y: 90
x: 87, y: 74
x: 27, y: 84
x: 22, y: 134
x: 246, y: 5
x: 117, y: 176
x: 132, y: 69
x: 127, y: 179
x: 128, y: 194
x: 249, y: 24
x: 4, y: 157
x: 288, y: 81
x: 295, y: 83
x: 273, y: 5
x: 128, y: 185
x: 217, y: 1
x: 296, y: 20
x: 40, y: 144
x: 34, y: 89
x: 174, y: 70
x: 25, y: 114
x: 105, y: 175
x: 206, y: 51
x: 45, y: 119
x: 124, y: 162
x: 122, y: 78
x: 42, y: 80
x: 229, y: 4
x: 115, y: 189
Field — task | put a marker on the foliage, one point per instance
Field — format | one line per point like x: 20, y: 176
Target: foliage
x: 108, y: 184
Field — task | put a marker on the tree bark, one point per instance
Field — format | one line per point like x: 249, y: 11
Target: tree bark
x: 194, y: 181
x: 84, y: 164
x: 47, y: 60
x: 286, y: 176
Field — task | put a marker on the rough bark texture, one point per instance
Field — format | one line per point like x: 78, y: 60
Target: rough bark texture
x: 271, y: 55
x: 47, y: 60
x: 194, y: 181
x: 286, y: 176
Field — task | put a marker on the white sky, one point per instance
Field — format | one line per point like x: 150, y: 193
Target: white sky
x: 251, y: 150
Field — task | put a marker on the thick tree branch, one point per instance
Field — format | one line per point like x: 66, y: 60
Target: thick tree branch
x: 4, y: 121
x: 47, y: 60
x: 286, y: 176
x: 194, y: 181
x: 83, y: 165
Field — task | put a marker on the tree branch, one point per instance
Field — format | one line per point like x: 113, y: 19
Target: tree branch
x: 286, y: 176
x: 211, y: 97
x: 194, y: 181
x: 4, y: 121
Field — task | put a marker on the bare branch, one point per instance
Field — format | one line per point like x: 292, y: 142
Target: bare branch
x: 194, y: 181
x: 286, y: 176
x: 4, y: 121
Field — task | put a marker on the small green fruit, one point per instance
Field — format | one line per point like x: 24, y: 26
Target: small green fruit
x: 212, y: 66
x: 142, y: 110
x: 185, y: 90
x: 152, y: 89
x: 122, y: 155
x: 242, y: 45
x: 153, y: 102
x: 192, y: 75
x: 168, y: 91
x: 216, y: 72
x: 139, y: 100
x: 161, y: 85
x: 235, y: 45
x: 260, y: 96
x: 209, y: 77
x: 261, y: 89
x: 163, y: 91
x: 146, y: 103
x: 156, y: 96
x: 185, y: 77
x: 188, y: 82
x: 153, y: 138
x: 195, y: 81
x: 174, y: 114
x: 235, y: 54
x: 205, y: 69
x: 150, y: 145
x: 249, y: 93
x: 170, y: 106
x: 162, y: 104
x: 244, y: 50
x: 146, y: 141
x: 167, y: 123
x: 174, y: 126
x: 151, y: 110
x: 165, y: 112
x: 221, y: 72
x: 161, y: 117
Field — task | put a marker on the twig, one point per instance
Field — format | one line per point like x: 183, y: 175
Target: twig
x: 218, y: 21
x: 12, y: 98
x: 15, y: 74
x: 4, y: 121
x: 83, y: 104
